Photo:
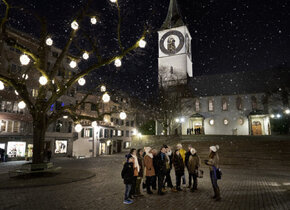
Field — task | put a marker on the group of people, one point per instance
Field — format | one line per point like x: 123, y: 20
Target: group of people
x: 154, y: 169
x: 196, y: 131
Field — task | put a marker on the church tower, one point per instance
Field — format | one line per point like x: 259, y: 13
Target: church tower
x: 175, y: 59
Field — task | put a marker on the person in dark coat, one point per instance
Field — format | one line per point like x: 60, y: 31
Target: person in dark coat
x: 193, y: 166
x: 154, y: 178
x: 128, y: 177
x: 168, y: 167
x: 187, y: 155
x: 179, y: 168
x: 161, y: 160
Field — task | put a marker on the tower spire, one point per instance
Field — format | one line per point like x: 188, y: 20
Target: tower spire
x: 174, y: 18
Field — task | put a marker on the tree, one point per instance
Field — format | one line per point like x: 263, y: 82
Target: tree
x: 52, y: 87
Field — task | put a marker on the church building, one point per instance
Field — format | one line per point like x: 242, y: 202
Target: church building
x: 240, y: 103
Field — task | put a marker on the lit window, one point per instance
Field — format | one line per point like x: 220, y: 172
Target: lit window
x: 210, y: 105
x: 10, y: 126
x: 3, y: 125
x: 211, y: 121
x: 197, y: 105
x: 34, y: 92
x: 224, y: 104
x: 16, y: 126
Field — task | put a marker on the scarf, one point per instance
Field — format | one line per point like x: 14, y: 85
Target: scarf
x: 136, y: 164
x: 150, y: 155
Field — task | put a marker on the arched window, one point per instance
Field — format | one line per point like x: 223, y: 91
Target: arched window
x: 254, y: 103
x: 197, y: 105
x: 239, y: 103
x: 210, y: 105
x: 224, y: 104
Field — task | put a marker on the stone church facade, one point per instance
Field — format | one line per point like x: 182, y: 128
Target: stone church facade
x: 240, y: 103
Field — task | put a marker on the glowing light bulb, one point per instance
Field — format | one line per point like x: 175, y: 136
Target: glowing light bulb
x: 2, y: 85
x: 73, y: 64
x: 49, y: 41
x: 287, y: 111
x: 86, y: 56
x: 118, y: 63
x: 142, y: 43
x: 106, y: 98
x: 113, y: 1
x: 82, y: 81
x: 103, y: 88
x: 42, y: 80
x: 25, y: 76
x: 93, y: 20
x: 123, y: 115
x: 21, y: 105
x: 78, y: 128
x: 24, y: 59
x: 74, y: 25
x: 65, y: 117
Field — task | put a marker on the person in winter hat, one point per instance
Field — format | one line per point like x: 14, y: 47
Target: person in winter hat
x: 213, y: 164
x: 193, y: 165
x: 127, y: 175
x: 149, y: 168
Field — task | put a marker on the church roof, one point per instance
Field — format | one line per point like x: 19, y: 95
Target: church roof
x: 174, y: 18
x: 240, y: 82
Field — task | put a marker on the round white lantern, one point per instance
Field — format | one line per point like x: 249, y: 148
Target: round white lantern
x: 103, y: 88
x: 287, y: 111
x: 21, y: 105
x: 49, y: 41
x: 211, y: 121
x: 94, y: 124
x: 86, y: 56
x: 2, y: 85
x: 142, y: 43
x: 106, y: 98
x: 123, y: 115
x: 82, y: 81
x: 93, y: 20
x: 73, y: 64
x: 42, y: 80
x: 74, y: 25
x: 118, y: 63
x: 278, y: 115
x: 24, y: 59
x: 78, y: 128
x: 182, y: 119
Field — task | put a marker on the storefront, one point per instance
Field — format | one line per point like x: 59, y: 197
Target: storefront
x: 16, y: 149
x: 60, y: 147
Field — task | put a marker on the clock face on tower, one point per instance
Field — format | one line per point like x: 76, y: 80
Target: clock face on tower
x: 171, y: 42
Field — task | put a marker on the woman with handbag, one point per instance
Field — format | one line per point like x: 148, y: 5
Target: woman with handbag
x: 193, y: 166
x: 213, y: 164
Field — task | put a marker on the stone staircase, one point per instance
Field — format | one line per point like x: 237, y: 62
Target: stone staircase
x: 235, y: 151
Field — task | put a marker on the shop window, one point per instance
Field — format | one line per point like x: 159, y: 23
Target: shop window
x: 60, y: 147
x: 210, y: 105
x: 239, y: 103
x: 127, y: 133
x: 224, y: 104
x: 254, y: 103
x: 16, y: 149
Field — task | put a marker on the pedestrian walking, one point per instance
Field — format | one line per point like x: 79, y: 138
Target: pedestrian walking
x: 161, y: 159
x: 178, y: 167
x: 193, y: 166
x: 128, y: 176
x: 149, y: 168
x: 187, y: 155
x: 182, y: 153
x: 141, y: 172
x: 213, y: 164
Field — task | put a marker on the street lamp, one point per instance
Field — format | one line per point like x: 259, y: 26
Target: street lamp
x: 1, y: 85
x: 21, y: 105
x: 24, y: 59
x: 287, y: 111
x: 78, y: 128
x: 106, y: 98
x: 278, y: 116
x: 123, y: 115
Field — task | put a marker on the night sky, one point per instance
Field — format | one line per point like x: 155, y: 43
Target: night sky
x: 228, y: 36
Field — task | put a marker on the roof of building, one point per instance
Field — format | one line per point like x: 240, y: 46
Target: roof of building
x: 240, y: 82
x: 174, y: 18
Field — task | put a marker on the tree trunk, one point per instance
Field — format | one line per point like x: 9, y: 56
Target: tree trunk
x: 39, y: 130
